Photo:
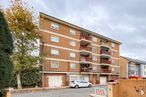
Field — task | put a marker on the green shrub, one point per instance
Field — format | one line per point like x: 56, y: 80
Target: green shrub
x: 29, y: 78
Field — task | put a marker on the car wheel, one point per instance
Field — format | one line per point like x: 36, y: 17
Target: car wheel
x: 89, y: 85
x: 76, y: 86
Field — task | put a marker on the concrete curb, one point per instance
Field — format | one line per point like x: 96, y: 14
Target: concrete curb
x: 38, y: 89
x: 28, y: 90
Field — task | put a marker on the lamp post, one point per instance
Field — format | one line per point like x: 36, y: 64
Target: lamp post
x: 42, y: 61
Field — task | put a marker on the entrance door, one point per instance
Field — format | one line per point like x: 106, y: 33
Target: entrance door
x: 103, y: 80
x: 55, y: 81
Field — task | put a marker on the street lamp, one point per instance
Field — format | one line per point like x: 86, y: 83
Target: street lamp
x: 42, y: 60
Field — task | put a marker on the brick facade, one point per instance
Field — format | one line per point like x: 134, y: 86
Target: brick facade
x: 80, y: 54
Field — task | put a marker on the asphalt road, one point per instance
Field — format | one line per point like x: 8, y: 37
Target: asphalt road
x: 70, y: 92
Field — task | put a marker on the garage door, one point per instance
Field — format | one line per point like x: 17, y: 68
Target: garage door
x: 55, y: 81
x: 103, y: 80
x: 74, y: 77
x: 79, y: 77
x: 84, y: 77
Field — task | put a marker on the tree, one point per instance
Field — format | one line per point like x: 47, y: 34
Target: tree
x: 6, y: 48
x: 24, y: 28
x: 31, y: 78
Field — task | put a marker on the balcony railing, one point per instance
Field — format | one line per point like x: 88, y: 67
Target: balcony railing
x: 86, y: 69
x: 105, y: 71
x: 86, y: 37
x: 85, y: 59
x: 105, y: 61
x: 85, y: 48
x: 105, y: 52
x: 104, y: 44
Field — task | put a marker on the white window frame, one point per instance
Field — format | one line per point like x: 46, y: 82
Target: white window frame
x: 113, y: 61
x: 112, y: 53
x: 54, y: 39
x: 94, y: 58
x: 144, y: 73
x: 72, y: 32
x: 72, y: 54
x: 93, y: 67
x: 53, y: 65
x: 55, y: 26
x: 113, y: 69
x: 54, y: 52
x: 73, y: 65
x: 113, y: 45
x: 72, y: 43
x: 144, y: 66
x: 94, y: 39
x: 94, y: 49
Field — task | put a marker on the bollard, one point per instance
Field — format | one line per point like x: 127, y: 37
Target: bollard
x: 110, y: 90
x: 8, y: 94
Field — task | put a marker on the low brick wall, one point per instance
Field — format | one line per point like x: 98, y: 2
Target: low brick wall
x: 130, y: 88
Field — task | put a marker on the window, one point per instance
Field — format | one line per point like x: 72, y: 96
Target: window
x: 72, y: 43
x: 72, y: 32
x: 113, y: 69
x: 94, y: 67
x: 113, y: 61
x: 144, y: 73
x: 73, y: 65
x: 112, y: 53
x: 54, y: 64
x: 94, y: 58
x: 131, y: 72
x: 113, y: 45
x: 144, y: 67
x: 54, y: 39
x: 72, y: 55
x: 54, y: 52
x: 136, y: 72
x: 94, y: 49
x: 54, y: 26
x: 94, y: 39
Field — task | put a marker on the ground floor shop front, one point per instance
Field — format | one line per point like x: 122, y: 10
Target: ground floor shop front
x: 64, y: 79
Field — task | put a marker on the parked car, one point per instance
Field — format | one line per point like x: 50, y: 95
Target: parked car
x: 80, y: 83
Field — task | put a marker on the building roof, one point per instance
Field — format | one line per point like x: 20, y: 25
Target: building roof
x: 77, y: 27
x: 134, y: 60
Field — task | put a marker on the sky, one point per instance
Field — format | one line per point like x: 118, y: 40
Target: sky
x: 122, y: 20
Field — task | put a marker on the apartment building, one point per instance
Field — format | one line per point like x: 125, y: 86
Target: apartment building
x: 75, y: 53
x: 130, y: 68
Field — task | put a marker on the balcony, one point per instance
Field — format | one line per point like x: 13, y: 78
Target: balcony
x: 105, y: 61
x: 88, y: 70
x: 86, y: 67
x: 85, y: 40
x: 105, y: 70
x: 104, y: 44
x: 84, y: 50
x: 105, y: 52
x: 85, y: 59
x: 85, y: 37
x: 115, y: 71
